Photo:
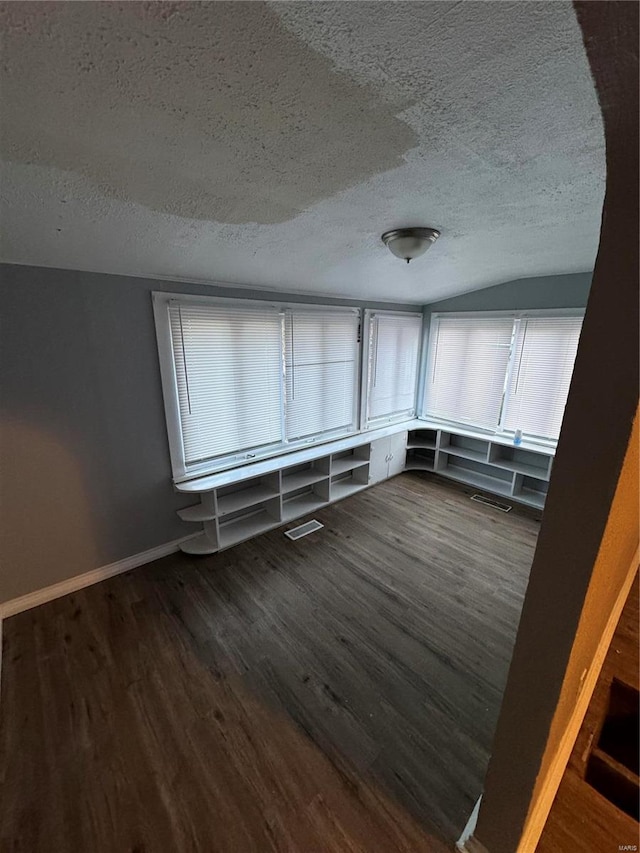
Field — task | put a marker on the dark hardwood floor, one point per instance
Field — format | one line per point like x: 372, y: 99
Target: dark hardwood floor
x: 338, y: 693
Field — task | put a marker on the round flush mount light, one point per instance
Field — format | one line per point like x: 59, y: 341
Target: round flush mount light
x: 409, y: 243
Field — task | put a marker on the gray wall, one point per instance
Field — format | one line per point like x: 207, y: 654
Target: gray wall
x: 84, y: 461
x: 553, y: 291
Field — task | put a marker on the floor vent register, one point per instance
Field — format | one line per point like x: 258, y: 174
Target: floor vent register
x: 489, y: 502
x: 303, y: 529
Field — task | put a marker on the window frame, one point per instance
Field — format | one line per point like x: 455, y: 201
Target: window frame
x: 500, y: 430
x: 180, y: 469
x: 369, y: 313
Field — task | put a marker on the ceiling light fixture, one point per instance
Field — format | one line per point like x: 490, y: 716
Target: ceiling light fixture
x: 409, y: 243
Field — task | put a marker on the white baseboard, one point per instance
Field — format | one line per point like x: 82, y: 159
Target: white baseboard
x: 469, y: 829
x: 57, y: 590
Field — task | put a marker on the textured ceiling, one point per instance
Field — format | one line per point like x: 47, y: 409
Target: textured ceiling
x: 271, y: 144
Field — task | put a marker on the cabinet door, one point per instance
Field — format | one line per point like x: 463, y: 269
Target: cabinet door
x: 397, y: 452
x: 379, y: 460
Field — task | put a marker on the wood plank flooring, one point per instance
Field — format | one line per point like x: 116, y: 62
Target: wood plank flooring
x: 338, y: 693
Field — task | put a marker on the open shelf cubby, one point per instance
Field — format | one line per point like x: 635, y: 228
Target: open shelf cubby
x: 305, y: 500
x: 465, y: 447
x: 348, y: 460
x: 247, y: 493
x: 421, y: 458
x: 422, y: 438
x: 530, y: 490
x: 248, y: 522
x: 519, y: 460
x: 477, y: 474
x: 306, y: 474
x: 345, y: 484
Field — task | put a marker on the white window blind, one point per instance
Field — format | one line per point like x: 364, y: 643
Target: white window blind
x: 228, y: 370
x: 394, y: 349
x: 321, y: 366
x: 544, y: 353
x: 467, y: 369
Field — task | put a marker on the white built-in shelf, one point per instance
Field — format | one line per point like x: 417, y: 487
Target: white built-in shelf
x: 301, y: 505
x: 300, y: 479
x: 465, y: 453
x: 544, y: 448
x: 260, y: 499
x: 245, y: 527
x: 277, y: 491
x: 522, y: 468
x: 199, y: 512
x: 199, y: 545
x: 234, y: 501
x: 343, y: 488
x: 420, y: 458
x: 477, y: 479
x: 346, y: 463
x: 530, y: 497
x: 419, y: 463
x: 488, y: 463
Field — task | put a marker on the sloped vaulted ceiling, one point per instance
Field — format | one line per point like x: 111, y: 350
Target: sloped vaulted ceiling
x: 270, y: 144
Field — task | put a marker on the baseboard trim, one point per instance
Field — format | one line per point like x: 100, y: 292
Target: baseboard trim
x: 469, y: 829
x: 57, y: 590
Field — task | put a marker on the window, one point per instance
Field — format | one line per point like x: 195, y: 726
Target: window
x: 467, y: 368
x: 321, y: 367
x: 392, y: 366
x: 244, y: 380
x: 502, y: 372
x: 228, y: 378
x: 544, y: 352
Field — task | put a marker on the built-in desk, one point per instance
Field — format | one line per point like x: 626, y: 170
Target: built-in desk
x: 239, y: 503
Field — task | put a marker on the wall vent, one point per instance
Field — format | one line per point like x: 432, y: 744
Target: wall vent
x: 489, y: 502
x: 303, y: 529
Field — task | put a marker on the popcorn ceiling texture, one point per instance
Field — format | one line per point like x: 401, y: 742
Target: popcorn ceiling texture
x: 217, y: 113
x: 271, y: 144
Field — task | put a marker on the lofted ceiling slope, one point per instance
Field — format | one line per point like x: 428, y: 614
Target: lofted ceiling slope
x: 270, y: 144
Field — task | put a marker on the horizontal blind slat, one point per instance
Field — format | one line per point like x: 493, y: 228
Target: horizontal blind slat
x: 545, y: 351
x: 394, y: 347
x: 321, y: 354
x: 468, y: 364
x: 228, y: 374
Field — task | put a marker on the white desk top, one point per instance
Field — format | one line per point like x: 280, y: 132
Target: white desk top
x: 288, y: 458
x: 547, y: 448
